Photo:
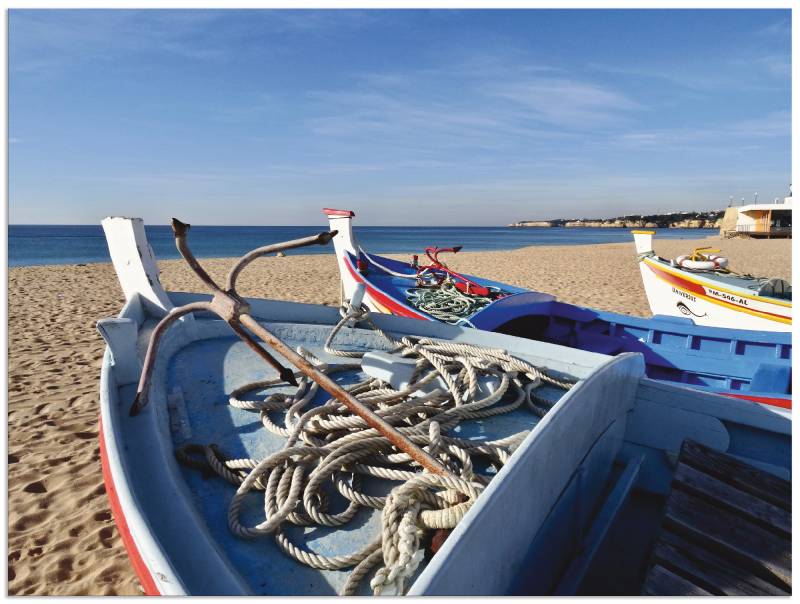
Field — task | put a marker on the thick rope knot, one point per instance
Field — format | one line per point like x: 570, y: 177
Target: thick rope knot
x: 352, y: 314
x: 403, y: 528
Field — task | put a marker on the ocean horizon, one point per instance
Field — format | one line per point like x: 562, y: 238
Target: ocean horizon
x: 35, y: 245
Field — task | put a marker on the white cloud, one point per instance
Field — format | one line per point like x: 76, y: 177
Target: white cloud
x: 568, y: 103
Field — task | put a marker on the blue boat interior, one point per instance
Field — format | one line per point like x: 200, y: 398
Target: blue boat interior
x: 205, y: 372
x: 675, y: 349
x: 576, y: 510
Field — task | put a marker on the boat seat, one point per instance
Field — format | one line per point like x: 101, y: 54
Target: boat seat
x: 776, y: 288
x: 595, y: 342
x: 726, y: 530
x: 770, y: 377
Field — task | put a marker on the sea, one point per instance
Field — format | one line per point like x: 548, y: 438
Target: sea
x: 30, y: 245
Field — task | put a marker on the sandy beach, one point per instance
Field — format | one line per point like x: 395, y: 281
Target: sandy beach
x: 62, y: 539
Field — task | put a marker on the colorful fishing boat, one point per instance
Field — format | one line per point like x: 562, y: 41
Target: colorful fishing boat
x: 701, y: 286
x: 225, y: 480
x: 751, y: 365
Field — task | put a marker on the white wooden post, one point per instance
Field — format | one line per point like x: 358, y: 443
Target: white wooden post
x: 342, y: 222
x: 120, y: 336
x: 643, y: 241
x: 135, y: 262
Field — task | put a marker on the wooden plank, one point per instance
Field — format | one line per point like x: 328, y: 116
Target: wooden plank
x: 739, y: 580
x: 763, y: 513
x: 761, y: 551
x: 663, y: 582
x: 571, y: 580
x: 742, y: 476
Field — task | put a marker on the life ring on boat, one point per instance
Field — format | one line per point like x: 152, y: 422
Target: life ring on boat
x: 710, y: 263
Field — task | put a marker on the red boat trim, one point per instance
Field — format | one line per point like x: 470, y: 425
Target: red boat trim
x: 334, y: 212
x: 678, y: 282
x: 142, y: 572
x: 783, y: 403
x: 699, y: 290
x: 393, y: 306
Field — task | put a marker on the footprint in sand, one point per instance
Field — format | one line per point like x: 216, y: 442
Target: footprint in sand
x: 35, y: 487
x: 102, y: 516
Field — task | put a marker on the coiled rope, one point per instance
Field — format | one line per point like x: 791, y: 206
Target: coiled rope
x: 329, y: 447
x: 446, y: 302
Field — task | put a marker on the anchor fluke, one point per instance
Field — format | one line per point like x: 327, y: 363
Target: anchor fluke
x: 287, y: 375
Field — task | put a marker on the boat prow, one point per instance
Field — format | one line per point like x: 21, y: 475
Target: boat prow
x: 712, y: 297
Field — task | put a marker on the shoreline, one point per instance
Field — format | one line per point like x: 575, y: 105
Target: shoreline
x: 62, y: 539
x: 401, y: 254
x: 407, y: 240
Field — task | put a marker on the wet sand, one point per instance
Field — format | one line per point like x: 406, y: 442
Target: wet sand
x: 62, y: 539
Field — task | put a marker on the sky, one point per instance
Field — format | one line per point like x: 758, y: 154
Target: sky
x: 415, y: 117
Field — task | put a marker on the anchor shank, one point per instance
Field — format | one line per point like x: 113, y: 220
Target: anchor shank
x: 372, y: 419
x: 286, y: 374
x: 319, y: 239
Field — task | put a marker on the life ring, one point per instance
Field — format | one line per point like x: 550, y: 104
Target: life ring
x: 711, y: 263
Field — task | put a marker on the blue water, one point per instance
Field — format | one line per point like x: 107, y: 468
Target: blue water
x: 37, y: 244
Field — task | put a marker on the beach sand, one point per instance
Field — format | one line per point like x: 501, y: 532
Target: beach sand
x: 62, y: 539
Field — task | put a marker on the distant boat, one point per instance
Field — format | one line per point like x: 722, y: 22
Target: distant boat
x: 753, y: 365
x: 702, y: 287
x: 225, y: 481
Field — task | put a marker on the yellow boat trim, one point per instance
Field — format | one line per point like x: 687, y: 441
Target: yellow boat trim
x: 643, y: 232
x: 683, y: 275
x: 724, y: 304
x: 381, y: 308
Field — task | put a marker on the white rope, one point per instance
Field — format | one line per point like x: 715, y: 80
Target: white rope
x: 328, y: 445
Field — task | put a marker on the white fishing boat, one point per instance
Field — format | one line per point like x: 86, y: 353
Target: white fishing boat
x: 702, y: 287
x: 440, y: 460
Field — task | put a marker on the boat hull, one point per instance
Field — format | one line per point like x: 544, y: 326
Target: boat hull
x: 740, y: 363
x: 673, y: 292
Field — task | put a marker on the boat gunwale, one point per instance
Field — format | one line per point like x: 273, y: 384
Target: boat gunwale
x: 705, y: 281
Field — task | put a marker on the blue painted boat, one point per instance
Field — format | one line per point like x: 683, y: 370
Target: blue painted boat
x: 578, y: 496
x: 744, y: 364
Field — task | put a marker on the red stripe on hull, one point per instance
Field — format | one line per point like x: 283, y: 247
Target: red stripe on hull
x: 677, y: 281
x: 390, y: 303
x: 146, y: 579
x: 699, y: 290
x: 783, y: 403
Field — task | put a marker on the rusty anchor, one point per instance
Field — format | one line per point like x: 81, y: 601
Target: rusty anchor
x: 234, y: 310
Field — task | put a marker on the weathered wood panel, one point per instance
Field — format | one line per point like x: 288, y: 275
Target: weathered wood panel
x: 763, y: 513
x: 729, y: 534
x: 661, y: 581
x: 699, y: 561
x: 726, y: 529
x: 742, y: 476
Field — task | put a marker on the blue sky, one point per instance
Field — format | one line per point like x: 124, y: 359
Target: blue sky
x: 470, y: 117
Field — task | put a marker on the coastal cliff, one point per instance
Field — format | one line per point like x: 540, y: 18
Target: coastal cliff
x: 677, y: 220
